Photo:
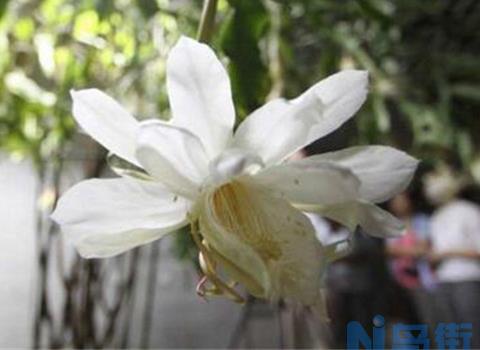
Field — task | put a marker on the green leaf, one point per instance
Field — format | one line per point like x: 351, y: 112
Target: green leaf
x: 24, y: 29
x: 3, y: 7
x: 375, y: 13
x: 148, y: 8
x: 240, y: 37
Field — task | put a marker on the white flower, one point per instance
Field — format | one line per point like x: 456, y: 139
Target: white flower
x: 243, y: 201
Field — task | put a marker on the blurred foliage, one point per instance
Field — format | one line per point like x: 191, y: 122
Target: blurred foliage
x: 422, y: 57
x: 184, y: 247
x: 243, y: 29
x: 423, y: 62
x: 52, y: 46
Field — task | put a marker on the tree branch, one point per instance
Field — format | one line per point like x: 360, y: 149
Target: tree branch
x: 207, y: 21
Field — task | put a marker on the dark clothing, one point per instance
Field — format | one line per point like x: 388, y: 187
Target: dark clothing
x: 356, y: 286
x: 459, y: 302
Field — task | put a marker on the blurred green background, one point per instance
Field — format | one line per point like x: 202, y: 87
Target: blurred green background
x: 423, y: 58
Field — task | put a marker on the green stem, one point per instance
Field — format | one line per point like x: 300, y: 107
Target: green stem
x: 207, y: 21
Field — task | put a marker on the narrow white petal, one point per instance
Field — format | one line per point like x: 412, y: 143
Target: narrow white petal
x: 200, y: 94
x: 371, y: 218
x: 312, y: 184
x: 106, y: 121
x: 173, y: 155
x: 377, y: 222
x: 383, y: 171
x: 100, y: 207
x: 108, y: 245
x: 280, y: 128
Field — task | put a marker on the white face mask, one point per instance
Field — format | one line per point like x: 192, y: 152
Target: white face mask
x: 442, y: 186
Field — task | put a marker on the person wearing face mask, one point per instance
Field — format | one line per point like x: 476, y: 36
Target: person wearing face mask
x: 455, y: 233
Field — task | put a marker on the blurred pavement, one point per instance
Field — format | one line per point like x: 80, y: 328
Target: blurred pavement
x: 17, y: 252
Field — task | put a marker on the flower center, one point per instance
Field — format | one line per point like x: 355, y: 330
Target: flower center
x: 235, y: 210
x: 231, y: 163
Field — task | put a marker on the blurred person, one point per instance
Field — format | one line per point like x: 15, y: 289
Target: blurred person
x: 455, y: 234
x: 408, y: 261
x: 356, y: 282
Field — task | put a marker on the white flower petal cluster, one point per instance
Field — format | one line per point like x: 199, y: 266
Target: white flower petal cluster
x: 244, y: 203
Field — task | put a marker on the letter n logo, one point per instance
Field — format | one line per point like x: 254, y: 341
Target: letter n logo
x: 358, y: 338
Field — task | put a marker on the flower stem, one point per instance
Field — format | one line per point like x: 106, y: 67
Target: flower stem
x: 207, y: 21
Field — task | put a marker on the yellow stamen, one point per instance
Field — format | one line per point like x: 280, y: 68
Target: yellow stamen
x: 233, y: 208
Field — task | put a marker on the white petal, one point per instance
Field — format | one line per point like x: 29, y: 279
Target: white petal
x: 108, y: 245
x: 232, y: 163
x: 304, y: 183
x: 244, y: 263
x: 106, y: 121
x: 280, y: 128
x: 377, y: 222
x: 254, y: 133
x: 118, y: 207
x: 279, y: 234
x: 172, y: 155
x: 371, y: 218
x: 200, y: 94
x: 383, y: 171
